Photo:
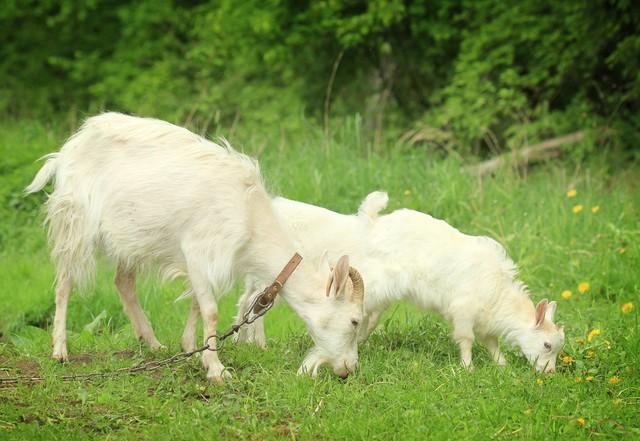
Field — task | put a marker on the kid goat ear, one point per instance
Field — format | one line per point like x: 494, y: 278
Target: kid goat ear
x: 541, y: 308
x: 551, y: 311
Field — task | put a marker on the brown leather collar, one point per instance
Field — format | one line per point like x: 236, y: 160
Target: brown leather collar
x: 288, y: 269
x: 269, y: 294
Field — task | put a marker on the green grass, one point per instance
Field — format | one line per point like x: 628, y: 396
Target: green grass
x: 409, y: 384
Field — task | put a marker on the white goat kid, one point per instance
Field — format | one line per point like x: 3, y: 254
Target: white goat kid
x: 147, y: 192
x: 409, y: 255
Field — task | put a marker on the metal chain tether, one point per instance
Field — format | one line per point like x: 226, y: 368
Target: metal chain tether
x: 259, y: 307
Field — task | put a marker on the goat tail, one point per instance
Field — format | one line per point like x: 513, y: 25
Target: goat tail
x: 45, y: 174
x: 373, y: 204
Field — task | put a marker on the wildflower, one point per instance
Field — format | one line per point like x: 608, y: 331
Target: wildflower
x: 572, y: 193
x: 580, y: 421
x: 583, y: 287
x: 621, y: 250
x: 578, y: 379
x: 580, y: 341
x: 577, y: 208
x: 627, y: 307
x: 539, y: 382
x: 407, y: 192
x: 589, y: 354
x: 567, y: 359
x: 593, y: 333
x: 589, y: 378
x: 614, y: 380
x: 595, y: 208
x: 566, y: 294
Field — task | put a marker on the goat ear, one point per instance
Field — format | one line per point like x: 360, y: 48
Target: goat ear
x: 541, y: 307
x: 329, y: 284
x: 338, y: 278
x: 551, y: 311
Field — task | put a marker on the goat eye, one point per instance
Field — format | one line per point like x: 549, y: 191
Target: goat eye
x: 547, y: 346
x: 355, y: 322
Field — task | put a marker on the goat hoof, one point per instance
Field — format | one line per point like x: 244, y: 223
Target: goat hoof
x: 61, y: 356
x: 220, y: 378
x: 153, y: 343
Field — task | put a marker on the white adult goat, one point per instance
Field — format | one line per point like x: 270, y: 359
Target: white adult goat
x: 151, y: 193
x: 409, y: 255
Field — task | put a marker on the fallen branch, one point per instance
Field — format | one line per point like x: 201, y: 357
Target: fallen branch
x: 518, y: 158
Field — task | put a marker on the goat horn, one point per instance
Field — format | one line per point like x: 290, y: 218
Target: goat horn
x: 358, y: 285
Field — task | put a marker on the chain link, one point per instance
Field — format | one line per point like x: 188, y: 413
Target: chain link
x: 259, y: 307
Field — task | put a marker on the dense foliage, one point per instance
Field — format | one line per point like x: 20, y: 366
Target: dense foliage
x: 469, y: 75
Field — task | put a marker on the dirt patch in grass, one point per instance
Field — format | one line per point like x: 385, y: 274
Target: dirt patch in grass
x: 31, y: 418
x: 282, y: 430
x: 28, y: 367
x: 125, y: 354
x: 82, y: 358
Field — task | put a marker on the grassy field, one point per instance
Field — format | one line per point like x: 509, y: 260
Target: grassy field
x: 409, y: 384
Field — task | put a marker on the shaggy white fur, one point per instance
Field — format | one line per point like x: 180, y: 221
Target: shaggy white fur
x: 411, y: 256
x: 151, y: 194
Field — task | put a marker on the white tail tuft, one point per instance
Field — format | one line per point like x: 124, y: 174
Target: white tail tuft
x: 45, y: 174
x: 373, y: 204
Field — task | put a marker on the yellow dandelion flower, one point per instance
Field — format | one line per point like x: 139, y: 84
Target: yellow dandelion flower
x: 627, y: 308
x: 589, y: 354
x: 580, y: 421
x: 621, y: 250
x: 539, y: 382
x: 566, y: 294
x: 583, y: 287
x: 577, y: 208
x: 614, y: 380
x: 589, y: 378
x: 572, y: 193
x: 568, y: 359
x: 595, y: 208
x: 578, y: 379
x: 580, y: 341
x: 407, y: 192
x: 593, y: 333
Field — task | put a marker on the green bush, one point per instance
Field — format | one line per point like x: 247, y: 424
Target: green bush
x: 478, y: 76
